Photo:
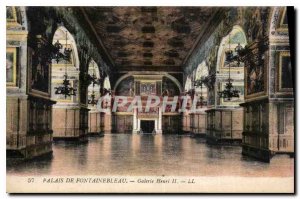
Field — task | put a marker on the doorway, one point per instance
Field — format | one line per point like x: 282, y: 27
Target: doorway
x: 147, y: 126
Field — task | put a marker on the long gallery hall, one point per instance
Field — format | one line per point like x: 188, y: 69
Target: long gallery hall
x: 202, y: 91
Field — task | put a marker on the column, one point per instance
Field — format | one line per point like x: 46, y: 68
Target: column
x: 135, y: 125
x: 159, y: 130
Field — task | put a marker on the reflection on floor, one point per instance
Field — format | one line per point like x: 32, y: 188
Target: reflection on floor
x: 132, y: 154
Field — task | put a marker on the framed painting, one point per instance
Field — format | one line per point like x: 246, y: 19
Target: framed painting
x: 11, y: 15
x: 284, y: 82
x: 256, y: 76
x: 11, y: 66
x: 39, y: 74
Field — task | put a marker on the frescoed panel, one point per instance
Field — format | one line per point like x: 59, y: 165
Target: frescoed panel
x: 235, y: 39
x: 147, y: 88
x: 126, y: 87
x: 169, y: 88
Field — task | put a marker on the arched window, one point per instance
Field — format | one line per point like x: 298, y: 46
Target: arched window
x: 94, y: 87
x: 230, y: 42
x: 169, y: 88
x: 107, y: 83
x: 60, y: 67
x: 188, y: 84
x: 126, y: 87
x: 202, y: 72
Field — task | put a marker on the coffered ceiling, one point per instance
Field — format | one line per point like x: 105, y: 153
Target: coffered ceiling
x: 148, y: 36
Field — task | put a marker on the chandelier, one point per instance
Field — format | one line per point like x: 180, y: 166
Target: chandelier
x: 106, y: 91
x: 58, y: 55
x: 229, y: 92
x: 93, y: 100
x: 237, y: 55
x: 199, y: 83
x: 66, y: 89
x: 190, y: 92
x: 94, y: 80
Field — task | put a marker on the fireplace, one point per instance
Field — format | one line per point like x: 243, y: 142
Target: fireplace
x: 147, y: 126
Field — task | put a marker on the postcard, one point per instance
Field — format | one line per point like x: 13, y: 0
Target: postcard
x: 150, y: 99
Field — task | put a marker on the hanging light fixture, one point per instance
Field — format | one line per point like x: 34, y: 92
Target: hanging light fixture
x: 66, y: 88
x: 107, y: 91
x: 229, y: 92
x: 207, y: 81
x: 94, y: 81
x: 58, y: 55
x: 199, y: 83
x: 93, y: 100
